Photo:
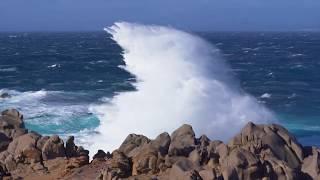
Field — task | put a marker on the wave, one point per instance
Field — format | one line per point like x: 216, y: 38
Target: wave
x: 180, y: 78
x: 10, y: 69
x: 265, y: 95
x: 51, y: 112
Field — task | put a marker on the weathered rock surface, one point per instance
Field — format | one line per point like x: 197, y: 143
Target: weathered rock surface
x: 264, y: 152
x: 311, y: 164
x: 182, y: 141
x: 28, y: 155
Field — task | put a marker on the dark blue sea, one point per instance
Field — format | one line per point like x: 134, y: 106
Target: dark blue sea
x: 54, y: 78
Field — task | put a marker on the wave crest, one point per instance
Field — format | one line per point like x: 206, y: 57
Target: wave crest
x: 181, y: 78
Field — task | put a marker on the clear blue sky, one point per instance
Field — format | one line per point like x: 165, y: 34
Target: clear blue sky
x: 197, y: 15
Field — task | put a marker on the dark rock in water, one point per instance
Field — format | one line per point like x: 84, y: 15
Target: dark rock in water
x: 257, y: 152
x: 5, y: 95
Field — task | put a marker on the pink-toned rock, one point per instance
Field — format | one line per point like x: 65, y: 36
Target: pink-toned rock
x: 132, y: 144
x: 184, y: 170
x: 13, y: 117
x: 24, y: 149
x: 182, y: 141
x: 257, y: 152
x: 311, y: 164
x: 11, y: 124
x: 278, y: 141
x: 244, y: 163
x: 53, y: 148
x: 208, y: 174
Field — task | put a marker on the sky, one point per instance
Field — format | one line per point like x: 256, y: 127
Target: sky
x: 195, y: 15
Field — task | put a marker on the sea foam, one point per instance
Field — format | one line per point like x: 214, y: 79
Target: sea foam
x: 181, y: 79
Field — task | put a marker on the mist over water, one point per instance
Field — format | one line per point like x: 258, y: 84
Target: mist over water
x: 181, y: 79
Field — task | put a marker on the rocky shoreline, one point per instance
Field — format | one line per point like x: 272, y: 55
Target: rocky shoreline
x: 257, y: 152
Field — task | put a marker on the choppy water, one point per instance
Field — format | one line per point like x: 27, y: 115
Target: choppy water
x: 55, y: 78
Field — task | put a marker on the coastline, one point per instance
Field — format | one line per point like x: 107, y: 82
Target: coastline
x: 256, y: 152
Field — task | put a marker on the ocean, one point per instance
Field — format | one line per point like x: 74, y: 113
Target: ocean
x: 90, y: 85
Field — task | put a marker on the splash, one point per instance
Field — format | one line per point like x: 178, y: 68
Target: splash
x: 180, y: 79
x: 51, y: 112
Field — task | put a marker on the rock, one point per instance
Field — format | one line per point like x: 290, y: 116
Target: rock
x: 13, y: 117
x: 53, y: 148
x: 119, y: 165
x: 217, y: 151
x: 257, y: 152
x: 5, y: 95
x: 24, y: 149
x: 132, y: 143
x: 71, y: 148
x: 222, y: 150
x: 277, y: 169
x: 82, y: 156
x: 311, y: 164
x: 101, y: 155
x: 244, y: 163
x: 42, y: 141
x: 208, y: 174
x: 2, y: 172
x: 162, y: 143
x: 10, y: 163
x: 108, y: 174
x: 76, y: 162
x: 182, y: 141
x: 203, y: 141
x: 145, y: 161
x: 4, y: 142
x: 184, y: 170
x: 81, y: 151
x: 149, y: 156
x: 11, y: 124
x: 272, y: 139
x: 195, y: 157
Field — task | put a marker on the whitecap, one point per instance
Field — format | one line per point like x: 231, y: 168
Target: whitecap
x: 10, y: 69
x: 181, y: 79
x: 54, y: 66
x: 293, y: 95
x: 296, y: 55
x: 266, y: 96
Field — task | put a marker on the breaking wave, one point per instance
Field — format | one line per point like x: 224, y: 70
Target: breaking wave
x: 181, y: 78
